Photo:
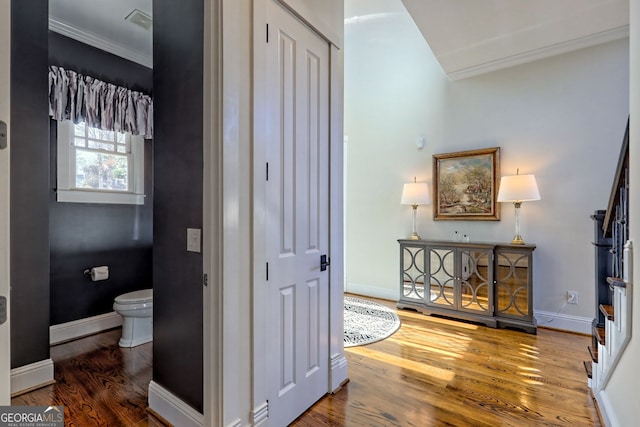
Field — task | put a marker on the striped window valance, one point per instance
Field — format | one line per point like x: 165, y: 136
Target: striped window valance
x: 79, y: 98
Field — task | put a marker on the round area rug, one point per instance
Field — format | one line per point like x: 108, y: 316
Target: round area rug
x: 367, y: 321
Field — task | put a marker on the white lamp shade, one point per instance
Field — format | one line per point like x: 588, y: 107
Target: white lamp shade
x: 415, y: 193
x: 518, y: 188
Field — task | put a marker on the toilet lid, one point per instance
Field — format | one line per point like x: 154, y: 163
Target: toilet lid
x: 144, y: 295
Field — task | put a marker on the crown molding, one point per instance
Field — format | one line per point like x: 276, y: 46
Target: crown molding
x: 541, y: 53
x: 100, y: 43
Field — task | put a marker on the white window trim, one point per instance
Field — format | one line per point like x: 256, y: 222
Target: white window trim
x: 66, y: 174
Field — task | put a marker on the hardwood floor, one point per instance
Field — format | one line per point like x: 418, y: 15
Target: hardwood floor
x: 98, y: 383
x: 439, y: 372
x: 432, y: 372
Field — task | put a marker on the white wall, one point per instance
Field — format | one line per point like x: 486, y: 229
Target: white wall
x: 561, y: 118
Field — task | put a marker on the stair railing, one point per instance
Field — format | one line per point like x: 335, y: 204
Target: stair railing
x: 616, y: 225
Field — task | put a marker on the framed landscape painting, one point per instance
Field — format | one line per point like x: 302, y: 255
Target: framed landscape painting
x: 465, y: 185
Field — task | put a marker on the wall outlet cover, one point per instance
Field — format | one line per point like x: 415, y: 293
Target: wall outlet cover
x: 193, y: 240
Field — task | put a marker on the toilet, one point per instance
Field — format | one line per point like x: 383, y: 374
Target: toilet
x: 136, y: 309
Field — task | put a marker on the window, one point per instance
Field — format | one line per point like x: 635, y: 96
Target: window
x: 99, y: 166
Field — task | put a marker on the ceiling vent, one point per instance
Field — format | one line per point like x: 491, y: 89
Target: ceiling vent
x: 140, y: 18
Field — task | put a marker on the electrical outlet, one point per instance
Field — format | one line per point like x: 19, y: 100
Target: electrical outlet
x: 572, y: 297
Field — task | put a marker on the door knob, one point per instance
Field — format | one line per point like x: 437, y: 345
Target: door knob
x: 3, y: 309
x: 3, y: 135
x: 324, y: 262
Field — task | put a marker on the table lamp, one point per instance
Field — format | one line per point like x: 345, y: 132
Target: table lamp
x: 415, y: 194
x: 517, y: 189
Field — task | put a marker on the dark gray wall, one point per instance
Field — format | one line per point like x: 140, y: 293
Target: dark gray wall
x: 178, y: 111
x: 83, y: 235
x: 29, y: 183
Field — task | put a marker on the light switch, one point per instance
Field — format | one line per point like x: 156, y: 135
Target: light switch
x: 193, y: 240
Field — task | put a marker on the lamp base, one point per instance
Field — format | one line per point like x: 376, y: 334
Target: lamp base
x: 414, y: 234
x: 517, y: 240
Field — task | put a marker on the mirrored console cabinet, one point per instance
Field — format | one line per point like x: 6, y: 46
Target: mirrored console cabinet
x: 488, y: 283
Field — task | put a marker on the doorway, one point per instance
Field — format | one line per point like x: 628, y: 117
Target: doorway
x: 296, y: 195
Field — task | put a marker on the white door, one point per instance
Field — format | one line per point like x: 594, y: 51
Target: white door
x: 297, y: 152
x: 5, y: 57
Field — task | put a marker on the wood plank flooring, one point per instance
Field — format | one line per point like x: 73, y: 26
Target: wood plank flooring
x: 98, y: 383
x: 440, y: 372
x: 432, y: 372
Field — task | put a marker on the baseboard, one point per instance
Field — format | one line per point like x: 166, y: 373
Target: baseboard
x: 338, y: 372
x: 372, y: 291
x: 607, y: 415
x: 83, y: 327
x: 29, y: 377
x: 563, y: 322
x: 260, y: 415
x: 172, y: 409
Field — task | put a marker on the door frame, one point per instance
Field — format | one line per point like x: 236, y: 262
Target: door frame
x: 5, y: 82
x: 211, y: 222
x: 235, y: 390
x: 5, y: 67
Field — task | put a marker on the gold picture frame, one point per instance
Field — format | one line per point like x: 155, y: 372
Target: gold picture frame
x: 465, y: 185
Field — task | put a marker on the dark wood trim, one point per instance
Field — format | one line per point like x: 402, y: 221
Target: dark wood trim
x: 623, y: 163
x: 616, y: 281
x: 607, y: 310
x: 600, y: 335
x: 588, y: 367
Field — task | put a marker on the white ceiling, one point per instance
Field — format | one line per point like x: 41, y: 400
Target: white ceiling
x: 468, y: 37
x: 101, y: 23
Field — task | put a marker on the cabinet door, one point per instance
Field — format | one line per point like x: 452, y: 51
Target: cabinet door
x: 513, y: 284
x: 476, y: 280
x: 412, y: 273
x: 442, y: 283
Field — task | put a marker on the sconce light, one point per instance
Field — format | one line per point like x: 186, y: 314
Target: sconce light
x: 517, y: 189
x: 415, y: 194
